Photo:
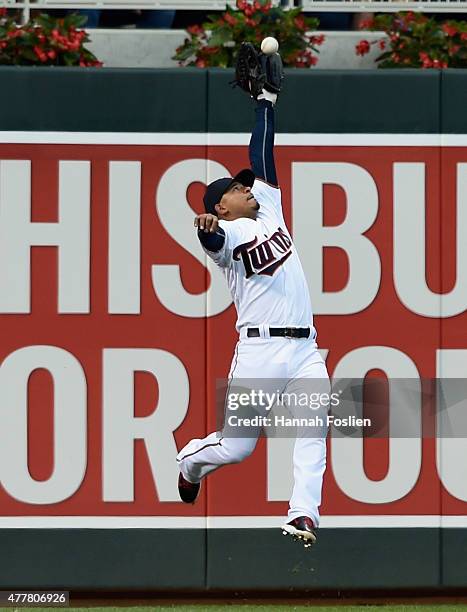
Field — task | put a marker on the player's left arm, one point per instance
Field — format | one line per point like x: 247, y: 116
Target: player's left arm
x: 219, y: 241
x: 210, y: 234
x: 261, y: 148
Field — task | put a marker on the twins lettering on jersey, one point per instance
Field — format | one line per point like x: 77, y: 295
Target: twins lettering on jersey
x: 265, y: 257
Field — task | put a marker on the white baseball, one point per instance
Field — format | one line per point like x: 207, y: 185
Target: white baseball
x: 269, y: 45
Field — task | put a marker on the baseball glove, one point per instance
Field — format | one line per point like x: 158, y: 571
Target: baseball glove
x: 255, y: 70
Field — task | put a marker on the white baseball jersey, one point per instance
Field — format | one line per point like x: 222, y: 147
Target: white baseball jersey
x: 262, y: 266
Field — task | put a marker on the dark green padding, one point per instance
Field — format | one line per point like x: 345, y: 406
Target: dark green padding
x: 88, y: 559
x: 107, y: 100
x: 230, y: 559
x: 334, y: 101
x: 454, y: 101
x: 193, y: 100
x: 341, y: 559
x: 454, y: 557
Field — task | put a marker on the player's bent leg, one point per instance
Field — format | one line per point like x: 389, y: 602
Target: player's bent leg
x: 200, y: 457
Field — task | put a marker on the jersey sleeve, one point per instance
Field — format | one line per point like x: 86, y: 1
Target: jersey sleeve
x: 269, y: 199
x: 237, y: 233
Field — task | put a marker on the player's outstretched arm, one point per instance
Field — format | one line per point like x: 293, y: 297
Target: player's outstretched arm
x: 262, y: 143
x: 260, y: 75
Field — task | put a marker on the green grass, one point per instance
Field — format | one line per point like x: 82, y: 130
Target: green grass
x: 278, y: 608
x: 438, y: 607
x: 285, y: 606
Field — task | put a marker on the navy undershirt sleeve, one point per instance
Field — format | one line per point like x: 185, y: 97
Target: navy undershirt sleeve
x: 212, y: 242
x: 262, y: 143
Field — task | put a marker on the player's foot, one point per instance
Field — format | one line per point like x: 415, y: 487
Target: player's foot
x: 301, y: 529
x: 188, y: 491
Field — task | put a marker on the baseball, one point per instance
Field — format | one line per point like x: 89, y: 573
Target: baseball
x: 269, y: 45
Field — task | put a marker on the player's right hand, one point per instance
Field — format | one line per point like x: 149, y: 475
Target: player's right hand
x: 207, y: 222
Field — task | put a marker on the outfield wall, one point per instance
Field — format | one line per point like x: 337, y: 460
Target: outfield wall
x: 112, y: 343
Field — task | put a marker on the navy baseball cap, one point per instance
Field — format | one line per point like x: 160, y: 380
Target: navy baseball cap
x: 216, y: 189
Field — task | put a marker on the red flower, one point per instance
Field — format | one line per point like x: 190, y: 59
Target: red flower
x: 449, y: 30
x: 52, y: 54
x: 395, y: 58
x: 40, y: 53
x: 2, y: 12
x: 362, y: 48
x: 366, y: 24
x: 317, y: 40
x: 439, y: 63
x: 427, y: 62
x: 257, y: 5
x: 248, y: 10
x: 230, y: 19
x: 464, y: 36
x: 453, y: 50
x: 200, y: 63
x: 382, y: 44
x: 196, y: 30
x: 3, y: 44
x: 210, y: 50
x: 251, y: 22
x: 300, y: 22
x: 302, y: 59
x: 266, y: 7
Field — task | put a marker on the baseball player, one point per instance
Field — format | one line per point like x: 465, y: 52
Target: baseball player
x: 244, y: 232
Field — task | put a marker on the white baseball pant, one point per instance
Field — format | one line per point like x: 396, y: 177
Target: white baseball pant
x: 297, y: 362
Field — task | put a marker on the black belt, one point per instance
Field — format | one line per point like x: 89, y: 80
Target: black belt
x: 283, y: 332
